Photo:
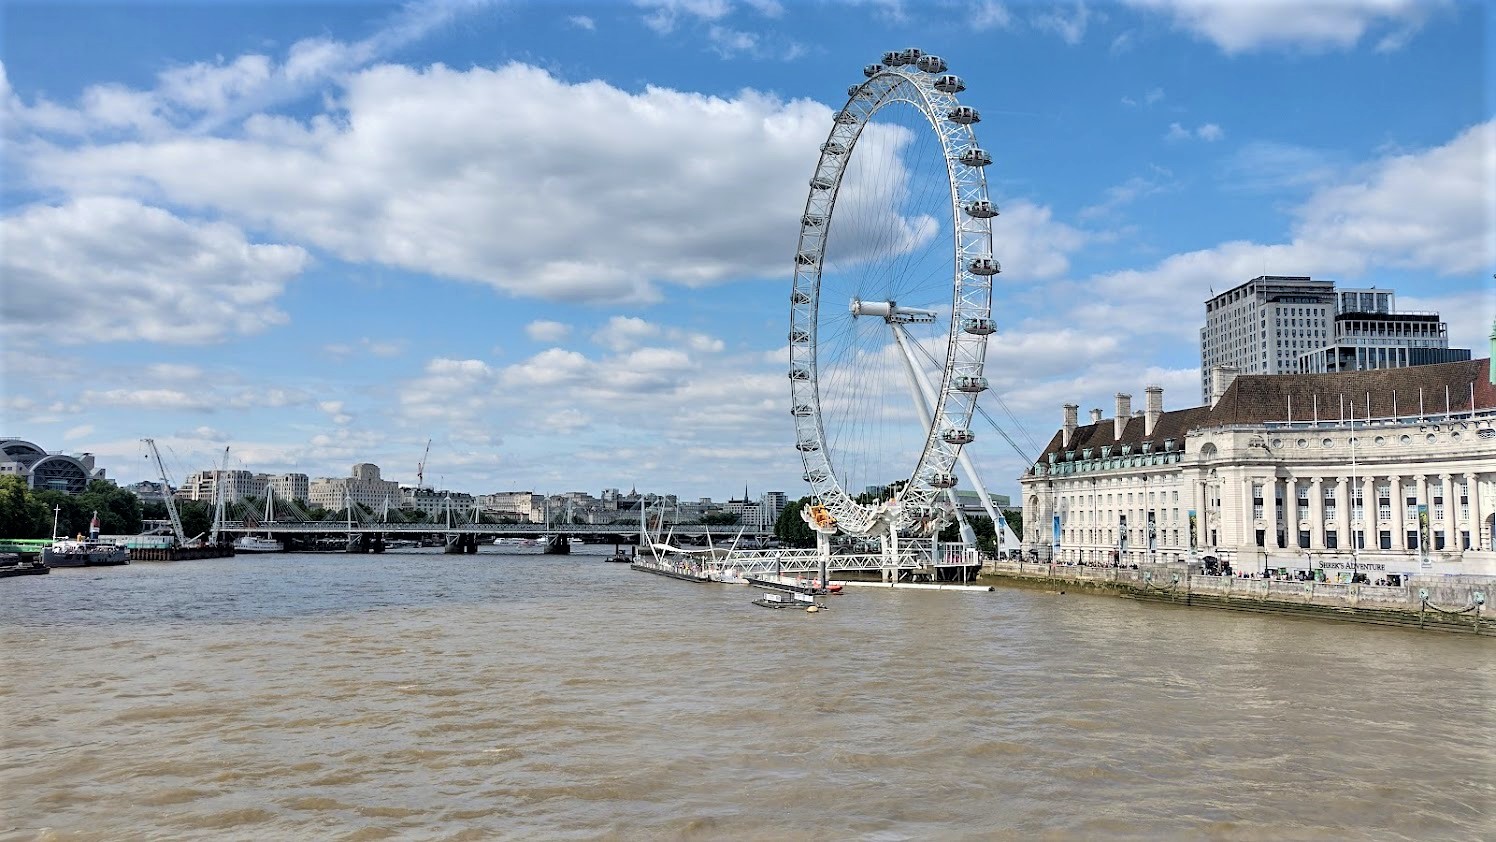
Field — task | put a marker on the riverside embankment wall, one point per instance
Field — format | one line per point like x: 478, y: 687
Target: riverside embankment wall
x: 1447, y: 603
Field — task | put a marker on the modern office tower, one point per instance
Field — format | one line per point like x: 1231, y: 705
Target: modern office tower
x: 1264, y: 325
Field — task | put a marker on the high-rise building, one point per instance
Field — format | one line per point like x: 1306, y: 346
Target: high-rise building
x: 1245, y: 326
x: 1275, y: 324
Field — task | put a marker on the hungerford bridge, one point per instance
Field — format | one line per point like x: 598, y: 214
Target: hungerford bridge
x: 460, y: 525
x: 462, y: 529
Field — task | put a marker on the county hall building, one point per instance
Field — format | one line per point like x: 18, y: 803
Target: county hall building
x: 1382, y: 472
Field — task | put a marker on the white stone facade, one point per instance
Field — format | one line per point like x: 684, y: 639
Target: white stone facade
x: 364, y: 487
x: 1336, y: 495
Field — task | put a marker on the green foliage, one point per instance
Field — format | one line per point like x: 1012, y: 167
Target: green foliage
x: 27, y: 513
x: 21, y: 516
x: 119, y: 510
x: 197, y: 517
x: 719, y: 518
x: 791, y: 529
x: 1015, y: 523
x: 68, y: 512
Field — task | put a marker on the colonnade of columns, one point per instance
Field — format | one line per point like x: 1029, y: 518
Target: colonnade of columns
x: 1347, y: 518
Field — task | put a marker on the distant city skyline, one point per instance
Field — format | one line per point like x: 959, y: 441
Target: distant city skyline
x: 557, y: 239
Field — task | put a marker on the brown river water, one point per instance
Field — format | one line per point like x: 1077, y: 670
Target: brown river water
x: 412, y: 696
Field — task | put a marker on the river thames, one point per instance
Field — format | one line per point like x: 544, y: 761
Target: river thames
x: 524, y: 696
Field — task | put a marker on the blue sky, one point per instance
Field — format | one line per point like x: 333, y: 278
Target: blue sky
x: 557, y: 238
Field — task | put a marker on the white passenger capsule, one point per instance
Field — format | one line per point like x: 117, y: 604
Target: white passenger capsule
x: 979, y: 326
x: 975, y: 156
x: 931, y: 64
x: 964, y: 114
x: 950, y: 85
x: 981, y: 209
x: 968, y: 383
x: 984, y: 266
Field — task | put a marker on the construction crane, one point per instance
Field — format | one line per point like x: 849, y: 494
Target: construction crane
x: 421, y: 468
x: 167, y: 495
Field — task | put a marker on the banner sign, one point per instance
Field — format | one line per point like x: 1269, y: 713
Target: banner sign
x: 1152, y: 534
x: 1423, y: 530
x: 1056, y: 536
x: 1192, y: 529
x: 1122, y: 534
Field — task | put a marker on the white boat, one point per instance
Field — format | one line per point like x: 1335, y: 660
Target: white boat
x: 256, y: 544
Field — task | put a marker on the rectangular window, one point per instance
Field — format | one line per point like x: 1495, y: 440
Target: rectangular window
x: 1303, y: 539
x: 1360, y: 539
x: 1261, y: 538
x: 1332, y: 540
x: 1412, y: 539
x: 1439, y: 540
x: 1384, y: 539
x: 1464, y: 539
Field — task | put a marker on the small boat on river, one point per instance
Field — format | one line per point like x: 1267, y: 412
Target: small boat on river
x: 793, y: 585
x: 23, y: 566
x: 787, y: 600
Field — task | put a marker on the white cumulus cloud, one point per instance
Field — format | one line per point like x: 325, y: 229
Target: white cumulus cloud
x: 106, y: 269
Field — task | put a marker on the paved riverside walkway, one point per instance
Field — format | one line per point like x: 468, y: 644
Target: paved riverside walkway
x: 1446, y: 603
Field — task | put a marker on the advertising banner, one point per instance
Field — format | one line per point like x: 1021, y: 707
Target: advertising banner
x: 1423, y: 531
x: 1152, y: 534
x: 1192, y: 531
x: 1055, y: 539
x: 1122, y: 533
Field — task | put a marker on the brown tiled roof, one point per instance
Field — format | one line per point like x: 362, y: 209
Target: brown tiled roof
x: 1259, y: 398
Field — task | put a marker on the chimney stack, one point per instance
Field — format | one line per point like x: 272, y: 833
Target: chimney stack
x: 1154, y: 404
x: 1096, y: 414
x: 1072, y: 416
x: 1220, y: 380
x: 1124, y: 410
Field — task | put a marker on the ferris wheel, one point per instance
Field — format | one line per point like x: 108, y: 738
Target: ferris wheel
x: 891, y: 305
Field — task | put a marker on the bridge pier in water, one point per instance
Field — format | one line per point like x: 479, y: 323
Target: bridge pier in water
x: 459, y: 543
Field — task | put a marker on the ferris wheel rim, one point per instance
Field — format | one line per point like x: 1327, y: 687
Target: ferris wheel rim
x: 916, y: 82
